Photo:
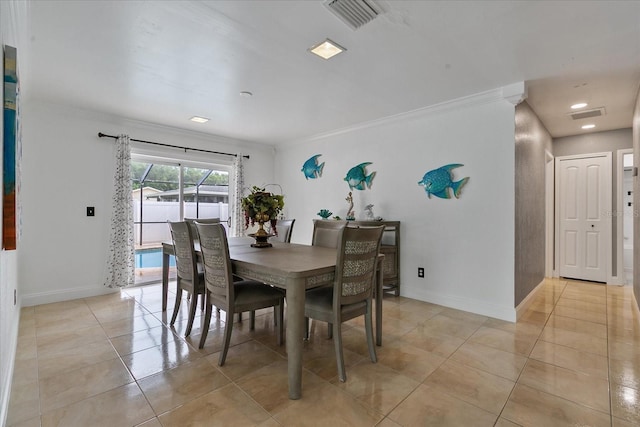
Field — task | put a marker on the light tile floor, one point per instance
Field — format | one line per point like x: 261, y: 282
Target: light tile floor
x: 572, y: 359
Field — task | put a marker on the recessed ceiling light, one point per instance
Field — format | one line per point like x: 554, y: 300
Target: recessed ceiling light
x: 327, y: 49
x: 578, y: 105
x: 589, y: 126
x: 246, y: 94
x: 199, y: 119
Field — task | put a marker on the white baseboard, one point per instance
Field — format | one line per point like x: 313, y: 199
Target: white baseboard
x: 526, y: 302
x: 474, y: 306
x: 6, y: 388
x: 58, y: 295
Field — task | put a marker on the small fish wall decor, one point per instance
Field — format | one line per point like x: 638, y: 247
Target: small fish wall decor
x: 439, y: 181
x: 357, y: 177
x: 311, y: 169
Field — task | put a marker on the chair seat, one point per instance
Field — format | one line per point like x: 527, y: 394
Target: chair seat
x: 249, y: 292
x: 321, y: 300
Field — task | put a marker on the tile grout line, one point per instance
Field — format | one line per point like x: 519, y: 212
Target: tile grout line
x: 555, y: 303
x: 606, y: 301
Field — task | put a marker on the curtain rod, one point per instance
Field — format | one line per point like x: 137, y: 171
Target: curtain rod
x: 104, y: 135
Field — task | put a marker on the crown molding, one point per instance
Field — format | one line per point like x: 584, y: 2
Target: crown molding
x: 491, y: 96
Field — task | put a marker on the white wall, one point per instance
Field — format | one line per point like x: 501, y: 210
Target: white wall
x: 466, y: 245
x: 66, y: 168
x: 13, y: 19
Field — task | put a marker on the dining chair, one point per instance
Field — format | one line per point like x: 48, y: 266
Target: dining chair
x: 284, y: 227
x: 189, y: 277
x: 224, y: 293
x: 326, y: 232
x: 194, y: 230
x: 352, y: 291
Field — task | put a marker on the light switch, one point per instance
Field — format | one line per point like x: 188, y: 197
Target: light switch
x: 91, y: 211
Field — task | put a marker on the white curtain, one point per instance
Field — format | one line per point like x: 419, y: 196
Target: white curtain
x: 121, y: 260
x: 237, y: 220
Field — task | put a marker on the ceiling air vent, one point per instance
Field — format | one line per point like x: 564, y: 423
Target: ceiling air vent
x: 596, y: 112
x: 354, y: 13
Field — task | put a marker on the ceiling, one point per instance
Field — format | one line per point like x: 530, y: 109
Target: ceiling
x: 166, y: 61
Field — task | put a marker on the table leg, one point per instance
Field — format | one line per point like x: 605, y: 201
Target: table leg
x: 295, y: 327
x: 165, y: 279
x: 379, y: 295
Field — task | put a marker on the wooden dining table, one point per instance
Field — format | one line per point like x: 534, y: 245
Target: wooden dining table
x: 294, y: 268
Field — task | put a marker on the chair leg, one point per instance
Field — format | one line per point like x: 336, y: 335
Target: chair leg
x: 337, y: 341
x: 306, y: 329
x: 368, y: 322
x: 239, y: 317
x: 176, y: 306
x: 329, y: 331
x: 252, y: 320
x: 279, y: 321
x: 228, y: 328
x: 192, y: 313
x: 207, y: 322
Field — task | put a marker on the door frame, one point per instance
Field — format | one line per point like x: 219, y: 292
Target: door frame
x: 621, y: 277
x: 607, y: 214
x: 549, y: 177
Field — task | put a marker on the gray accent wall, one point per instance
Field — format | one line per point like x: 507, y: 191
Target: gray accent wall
x: 532, y: 139
x: 600, y: 142
x: 636, y: 200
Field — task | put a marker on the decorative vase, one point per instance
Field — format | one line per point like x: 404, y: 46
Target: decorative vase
x: 261, y: 235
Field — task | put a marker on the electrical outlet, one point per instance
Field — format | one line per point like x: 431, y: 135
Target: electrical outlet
x: 420, y: 272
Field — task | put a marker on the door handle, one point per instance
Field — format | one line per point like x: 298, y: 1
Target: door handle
x: 592, y: 225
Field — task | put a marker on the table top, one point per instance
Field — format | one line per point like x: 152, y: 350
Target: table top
x: 288, y: 259
x: 292, y: 259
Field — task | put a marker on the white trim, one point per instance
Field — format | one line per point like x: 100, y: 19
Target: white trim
x: 6, y: 387
x: 65, y: 295
x: 466, y: 304
x: 515, y: 93
x: 608, y: 200
x: 549, y: 196
x: 621, y: 276
x: 487, y: 97
x: 526, y: 302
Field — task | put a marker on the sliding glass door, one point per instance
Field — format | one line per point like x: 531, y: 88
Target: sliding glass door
x: 171, y: 191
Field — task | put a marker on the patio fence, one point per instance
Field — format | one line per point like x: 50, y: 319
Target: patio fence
x: 156, y: 214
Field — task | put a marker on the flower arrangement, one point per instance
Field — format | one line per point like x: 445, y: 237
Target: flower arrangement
x: 261, y: 206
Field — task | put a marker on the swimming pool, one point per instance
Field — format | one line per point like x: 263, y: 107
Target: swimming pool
x: 151, y: 258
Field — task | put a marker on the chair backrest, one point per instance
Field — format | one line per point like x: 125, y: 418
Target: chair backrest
x: 326, y: 233
x: 218, y: 275
x: 186, y: 261
x: 358, y: 250
x: 194, y: 230
x: 284, y: 228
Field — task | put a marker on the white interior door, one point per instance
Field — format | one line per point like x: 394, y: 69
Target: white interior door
x: 584, y: 191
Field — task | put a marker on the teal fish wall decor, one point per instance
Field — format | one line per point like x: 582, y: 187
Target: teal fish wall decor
x: 357, y: 177
x: 311, y: 168
x: 438, y: 182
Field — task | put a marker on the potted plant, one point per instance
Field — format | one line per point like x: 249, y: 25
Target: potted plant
x: 259, y: 207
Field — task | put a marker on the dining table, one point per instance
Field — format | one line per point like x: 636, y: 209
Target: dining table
x: 294, y: 268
